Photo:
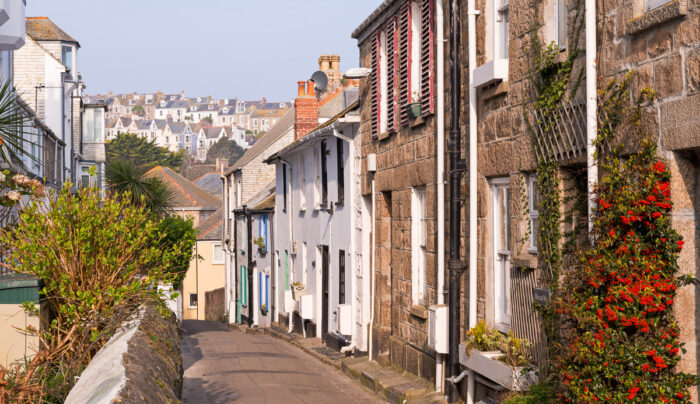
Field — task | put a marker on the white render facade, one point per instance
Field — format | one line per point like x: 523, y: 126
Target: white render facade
x: 318, y: 233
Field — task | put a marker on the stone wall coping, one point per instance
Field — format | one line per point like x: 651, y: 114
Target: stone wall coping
x: 667, y: 12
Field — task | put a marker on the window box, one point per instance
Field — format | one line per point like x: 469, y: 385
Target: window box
x: 488, y: 365
x: 491, y: 72
x: 413, y: 109
x: 298, y: 289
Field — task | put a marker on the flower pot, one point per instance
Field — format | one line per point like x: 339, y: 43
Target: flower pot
x: 297, y: 291
x: 414, y: 110
x: 488, y: 365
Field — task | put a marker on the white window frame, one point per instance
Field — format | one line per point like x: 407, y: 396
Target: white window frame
x: 501, y: 37
x: 189, y: 301
x: 220, y: 260
x: 534, y: 213
x: 501, y: 256
x: 419, y: 240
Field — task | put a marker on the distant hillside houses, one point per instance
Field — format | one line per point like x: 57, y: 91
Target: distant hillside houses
x: 253, y: 116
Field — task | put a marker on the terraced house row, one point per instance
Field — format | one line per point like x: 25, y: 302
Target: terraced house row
x: 389, y: 216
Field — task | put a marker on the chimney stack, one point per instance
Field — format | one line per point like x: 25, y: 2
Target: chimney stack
x: 335, y: 62
x: 324, y: 63
x: 305, y: 110
x: 221, y: 165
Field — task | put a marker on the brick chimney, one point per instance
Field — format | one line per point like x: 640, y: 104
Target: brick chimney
x: 305, y: 110
x: 221, y: 165
x: 335, y: 62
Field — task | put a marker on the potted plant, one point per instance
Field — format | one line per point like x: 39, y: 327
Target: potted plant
x: 414, y: 108
x: 263, y: 309
x: 298, y: 289
x: 503, y: 358
x: 260, y: 242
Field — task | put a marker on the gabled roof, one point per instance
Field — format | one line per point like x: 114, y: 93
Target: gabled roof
x: 212, y: 227
x: 212, y: 132
x: 177, y: 127
x: 211, y: 182
x: 275, y: 133
x: 43, y: 29
x: 185, y: 193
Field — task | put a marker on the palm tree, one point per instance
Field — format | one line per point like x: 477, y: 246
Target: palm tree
x: 125, y: 179
x: 13, y: 121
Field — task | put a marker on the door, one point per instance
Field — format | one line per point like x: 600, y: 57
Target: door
x: 501, y: 252
x: 324, y: 292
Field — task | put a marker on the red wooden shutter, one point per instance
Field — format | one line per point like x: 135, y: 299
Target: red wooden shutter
x: 404, y: 76
x: 427, y: 58
x: 375, y: 88
x: 391, y: 67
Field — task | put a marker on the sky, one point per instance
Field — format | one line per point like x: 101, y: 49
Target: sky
x: 224, y: 48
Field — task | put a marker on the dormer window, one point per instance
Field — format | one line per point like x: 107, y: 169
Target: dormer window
x: 211, y: 107
x: 67, y: 58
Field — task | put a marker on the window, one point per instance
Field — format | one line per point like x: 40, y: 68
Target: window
x: 85, y: 177
x: 501, y: 29
x: 302, y: 190
x: 67, y: 59
x: 415, y: 45
x: 419, y: 236
x: 534, y: 202
x: 238, y: 193
x: 167, y: 139
x: 652, y: 4
x: 316, y: 184
x: 501, y: 252
x: 341, y: 170
x: 562, y: 29
x: 284, y: 187
x: 341, y: 277
x: 217, y: 254
x: 263, y: 226
x: 255, y: 122
x: 93, y: 125
x: 304, y: 269
x: 187, y: 138
x: 324, y: 175
x: 193, y: 300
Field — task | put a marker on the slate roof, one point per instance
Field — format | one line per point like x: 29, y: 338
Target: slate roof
x: 212, y: 132
x: 211, y: 182
x: 175, y: 104
x: 275, y: 133
x: 212, y: 227
x: 177, y: 127
x: 264, y: 199
x: 43, y: 29
x: 185, y: 193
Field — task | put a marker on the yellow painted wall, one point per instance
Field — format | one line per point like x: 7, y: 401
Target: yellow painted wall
x: 14, y: 344
x: 202, y: 276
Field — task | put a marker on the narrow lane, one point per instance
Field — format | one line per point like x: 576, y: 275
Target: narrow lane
x: 224, y: 366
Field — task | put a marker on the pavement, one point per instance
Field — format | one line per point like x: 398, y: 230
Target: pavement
x: 225, y: 366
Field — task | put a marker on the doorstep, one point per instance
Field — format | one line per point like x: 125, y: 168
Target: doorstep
x: 389, y: 384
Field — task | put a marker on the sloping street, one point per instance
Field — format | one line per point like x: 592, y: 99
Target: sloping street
x: 223, y: 366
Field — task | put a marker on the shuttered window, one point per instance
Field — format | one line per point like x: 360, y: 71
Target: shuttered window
x: 427, y: 57
x: 376, y: 88
x: 404, y: 59
x: 392, y: 37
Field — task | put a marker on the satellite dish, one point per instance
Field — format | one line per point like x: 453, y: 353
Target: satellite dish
x: 320, y: 80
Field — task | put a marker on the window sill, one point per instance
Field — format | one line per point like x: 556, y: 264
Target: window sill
x: 417, y: 122
x: 492, y: 91
x: 385, y: 135
x: 660, y: 15
x: 490, y: 72
x: 419, y: 311
x: 525, y: 261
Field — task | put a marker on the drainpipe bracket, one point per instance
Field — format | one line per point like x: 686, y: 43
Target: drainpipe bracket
x: 456, y: 265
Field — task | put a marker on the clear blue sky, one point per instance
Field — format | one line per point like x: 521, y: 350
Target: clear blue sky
x: 223, y: 48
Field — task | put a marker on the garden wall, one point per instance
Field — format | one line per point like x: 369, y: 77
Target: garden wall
x: 141, y: 363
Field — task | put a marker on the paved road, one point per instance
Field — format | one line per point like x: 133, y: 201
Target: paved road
x: 224, y: 366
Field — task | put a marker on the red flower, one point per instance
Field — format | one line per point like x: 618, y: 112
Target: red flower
x: 659, y: 167
x: 656, y: 215
x: 680, y: 244
x: 633, y: 392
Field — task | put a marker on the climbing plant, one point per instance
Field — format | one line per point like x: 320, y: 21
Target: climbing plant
x: 622, y: 339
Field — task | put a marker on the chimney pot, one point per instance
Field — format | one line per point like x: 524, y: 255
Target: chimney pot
x: 302, y: 88
x: 324, y: 62
x: 335, y: 62
x: 311, y: 89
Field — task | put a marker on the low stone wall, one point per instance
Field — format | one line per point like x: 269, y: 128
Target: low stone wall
x: 142, y: 363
